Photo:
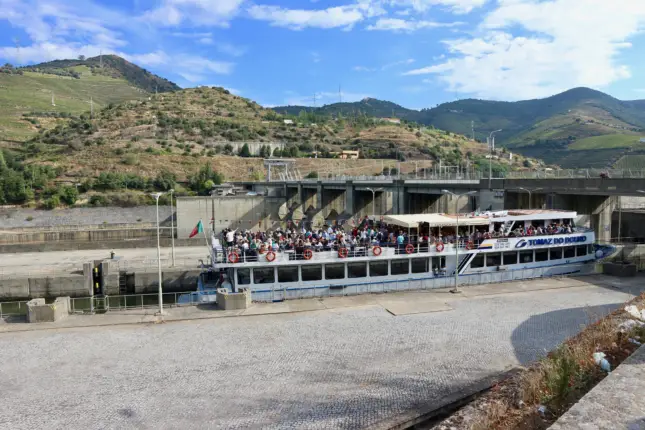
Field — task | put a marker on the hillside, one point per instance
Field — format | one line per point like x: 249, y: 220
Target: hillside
x: 107, y: 65
x: 550, y: 128
x: 368, y: 106
x: 26, y: 99
x: 148, y: 135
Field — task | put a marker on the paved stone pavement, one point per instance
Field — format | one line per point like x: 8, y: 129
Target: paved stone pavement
x: 341, y: 368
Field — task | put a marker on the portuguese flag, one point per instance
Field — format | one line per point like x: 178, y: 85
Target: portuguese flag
x: 199, y: 228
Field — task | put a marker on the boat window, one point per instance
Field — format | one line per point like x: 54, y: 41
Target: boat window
x: 356, y: 270
x: 264, y: 275
x: 590, y: 249
x: 569, y: 252
x: 243, y: 276
x: 477, y: 262
x: 311, y: 272
x: 510, y: 258
x: 556, y: 253
x: 526, y: 257
x: 581, y: 250
x: 400, y: 267
x: 334, y: 271
x: 378, y: 268
x: 541, y: 255
x: 288, y: 274
x: 438, y: 262
x: 420, y: 265
x: 493, y: 259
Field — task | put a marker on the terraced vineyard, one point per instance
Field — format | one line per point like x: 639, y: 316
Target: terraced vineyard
x: 635, y: 162
x: 31, y: 94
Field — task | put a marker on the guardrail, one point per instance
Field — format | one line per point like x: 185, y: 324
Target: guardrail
x: 578, y: 173
x: 12, y: 309
x: 83, y: 305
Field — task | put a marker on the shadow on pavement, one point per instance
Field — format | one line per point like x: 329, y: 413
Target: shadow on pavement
x: 560, y: 325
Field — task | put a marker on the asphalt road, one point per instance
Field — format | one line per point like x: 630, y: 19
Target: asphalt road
x: 342, y: 368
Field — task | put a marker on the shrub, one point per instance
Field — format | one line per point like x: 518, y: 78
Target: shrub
x: 98, y: 200
x: 52, y: 202
x: 68, y: 195
x: 130, y: 160
x: 312, y: 175
x: 119, y: 151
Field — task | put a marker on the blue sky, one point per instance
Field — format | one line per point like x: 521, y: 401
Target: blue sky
x: 417, y: 53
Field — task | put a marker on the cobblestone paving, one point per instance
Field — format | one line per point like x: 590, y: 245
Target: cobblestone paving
x: 348, y: 368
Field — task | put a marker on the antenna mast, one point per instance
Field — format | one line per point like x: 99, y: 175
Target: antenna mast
x: 16, y: 41
x: 472, y: 128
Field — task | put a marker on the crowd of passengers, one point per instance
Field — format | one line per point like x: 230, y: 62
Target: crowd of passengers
x: 363, y: 235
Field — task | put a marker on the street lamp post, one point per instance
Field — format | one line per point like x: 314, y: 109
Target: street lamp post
x: 374, y: 202
x: 458, y: 196
x: 491, y: 144
x: 156, y: 197
x: 529, y: 191
x: 172, y: 228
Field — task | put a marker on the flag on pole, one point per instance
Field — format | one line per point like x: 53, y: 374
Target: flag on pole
x: 199, y: 228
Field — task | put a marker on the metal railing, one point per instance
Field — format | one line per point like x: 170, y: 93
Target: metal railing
x: 81, y: 305
x: 577, y: 173
x: 12, y: 309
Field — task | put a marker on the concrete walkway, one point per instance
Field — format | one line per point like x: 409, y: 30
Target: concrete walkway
x: 617, y: 402
x: 400, y: 303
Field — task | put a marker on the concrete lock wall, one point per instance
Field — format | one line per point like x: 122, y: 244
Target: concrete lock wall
x: 128, y: 232
x: 243, y: 212
x: 233, y: 301
x: 38, y: 311
x: 174, y: 280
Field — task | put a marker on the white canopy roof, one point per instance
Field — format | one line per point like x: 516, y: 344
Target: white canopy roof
x: 434, y: 220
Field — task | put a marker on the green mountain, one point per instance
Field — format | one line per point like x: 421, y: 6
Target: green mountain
x: 108, y: 65
x: 368, y: 107
x: 580, y: 127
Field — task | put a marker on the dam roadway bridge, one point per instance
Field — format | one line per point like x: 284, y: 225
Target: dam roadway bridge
x: 599, y: 200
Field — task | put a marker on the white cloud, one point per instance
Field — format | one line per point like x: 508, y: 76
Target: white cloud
x: 364, y: 69
x: 230, y: 49
x: 564, y: 44
x: 398, y: 63
x: 196, y: 12
x: 206, y: 41
x: 401, y: 25
x: 315, y: 57
x: 456, y: 6
x: 298, y: 19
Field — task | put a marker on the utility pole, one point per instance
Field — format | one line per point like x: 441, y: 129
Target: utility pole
x: 472, y: 128
x: 17, y: 42
x: 101, y: 58
x: 53, y: 103
x: 491, y: 147
x: 314, y: 100
x: 91, y: 108
x: 340, y: 94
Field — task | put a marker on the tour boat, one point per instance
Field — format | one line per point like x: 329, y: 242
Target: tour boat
x: 509, y: 249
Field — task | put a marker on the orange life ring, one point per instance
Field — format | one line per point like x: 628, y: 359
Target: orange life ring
x: 270, y: 256
x: 377, y: 250
x: 439, y: 247
x: 470, y: 245
x: 263, y: 249
x: 307, y: 254
x: 233, y: 258
x: 343, y: 252
x: 409, y: 248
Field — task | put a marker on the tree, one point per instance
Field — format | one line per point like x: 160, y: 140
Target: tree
x: 14, y: 188
x: 81, y: 57
x: 203, y: 181
x: 68, y: 195
x: 527, y: 163
x: 52, y: 203
x: 312, y: 175
x: 165, y: 180
x: 244, y: 151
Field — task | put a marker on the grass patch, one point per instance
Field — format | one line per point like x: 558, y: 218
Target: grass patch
x: 607, y: 142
